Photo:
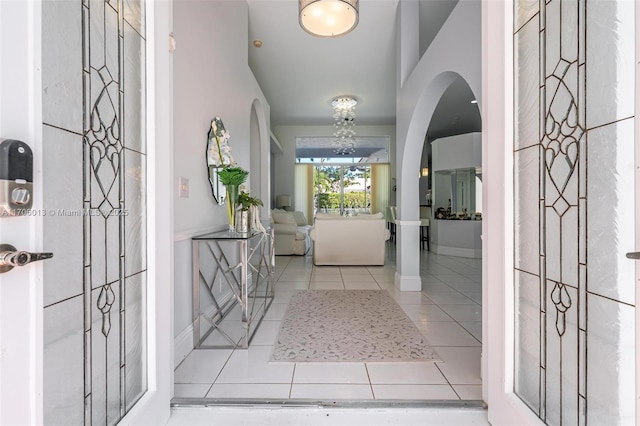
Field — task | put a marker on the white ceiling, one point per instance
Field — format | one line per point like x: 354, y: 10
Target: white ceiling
x: 300, y: 74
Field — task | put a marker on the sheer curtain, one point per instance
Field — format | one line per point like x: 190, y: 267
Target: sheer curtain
x: 304, y: 190
x: 379, y: 187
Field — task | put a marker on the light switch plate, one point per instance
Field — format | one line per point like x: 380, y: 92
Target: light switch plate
x: 183, y: 187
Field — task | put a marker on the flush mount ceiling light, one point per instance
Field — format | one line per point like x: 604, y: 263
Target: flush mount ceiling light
x: 328, y: 18
x: 344, y: 115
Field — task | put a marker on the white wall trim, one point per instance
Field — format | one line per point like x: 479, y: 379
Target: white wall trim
x: 182, y: 345
x: 183, y: 342
x: 408, y: 222
x: 408, y: 283
x: 457, y: 251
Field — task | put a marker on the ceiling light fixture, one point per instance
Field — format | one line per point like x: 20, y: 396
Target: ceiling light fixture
x: 344, y: 115
x: 328, y: 18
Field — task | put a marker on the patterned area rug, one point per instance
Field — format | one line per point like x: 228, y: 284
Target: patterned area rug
x: 348, y: 325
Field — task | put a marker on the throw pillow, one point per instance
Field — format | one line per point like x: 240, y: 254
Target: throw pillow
x: 300, y: 219
x: 280, y: 216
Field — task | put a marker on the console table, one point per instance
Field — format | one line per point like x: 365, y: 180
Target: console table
x: 236, y: 270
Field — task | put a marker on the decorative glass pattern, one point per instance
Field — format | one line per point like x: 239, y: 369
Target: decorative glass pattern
x: 573, y: 210
x: 95, y: 156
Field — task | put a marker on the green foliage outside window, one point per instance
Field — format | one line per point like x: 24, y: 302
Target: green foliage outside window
x: 352, y: 200
x: 327, y: 184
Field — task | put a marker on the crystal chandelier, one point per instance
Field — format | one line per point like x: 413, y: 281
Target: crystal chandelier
x: 344, y: 116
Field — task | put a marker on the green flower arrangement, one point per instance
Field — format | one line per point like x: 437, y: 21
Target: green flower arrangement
x: 245, y: 200
x: 232, y: 176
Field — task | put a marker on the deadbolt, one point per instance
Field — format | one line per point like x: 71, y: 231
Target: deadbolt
x: 20, y: 196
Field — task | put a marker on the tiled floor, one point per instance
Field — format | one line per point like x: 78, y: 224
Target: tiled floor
x: 447, y: 312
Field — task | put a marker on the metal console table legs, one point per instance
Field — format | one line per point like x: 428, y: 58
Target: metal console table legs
x: 232, y: 272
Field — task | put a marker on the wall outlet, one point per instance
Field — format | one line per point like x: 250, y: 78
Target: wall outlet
x: 183, y: 187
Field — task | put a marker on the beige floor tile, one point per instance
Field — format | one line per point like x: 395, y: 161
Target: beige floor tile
x: 249, y: 391
x: 201, y: 366
x: 463, y: 312
x: 461, y: 366
x: 183, y: 390
x: 446, y: 334
x: 423, y: 313
x: 338, y: 372
x: 361, y: 285
x: 469, y: 392
x: 331, y: 392
x: 411, y: 392
x: 389, y: 373
x: 252, y: 366
x: 326, y: 285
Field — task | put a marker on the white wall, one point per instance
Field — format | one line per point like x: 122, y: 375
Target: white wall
x: 211, y: 78
x: 457, y: 152
x: 454, y: 53
x: 284, y: 163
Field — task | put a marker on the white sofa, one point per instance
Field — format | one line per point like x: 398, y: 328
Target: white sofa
x: 291, y: 232
x: 356, y: 240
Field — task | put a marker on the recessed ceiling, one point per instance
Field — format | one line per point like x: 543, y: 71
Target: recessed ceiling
x: 300, y: 74
x: 455, y: 114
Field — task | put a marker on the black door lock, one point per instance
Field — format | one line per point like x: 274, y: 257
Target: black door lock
x: 16, y: 178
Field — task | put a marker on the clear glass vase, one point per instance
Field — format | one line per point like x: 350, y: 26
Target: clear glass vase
x: 232, y: 202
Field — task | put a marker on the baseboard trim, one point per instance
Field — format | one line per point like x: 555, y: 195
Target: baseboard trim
x: 457, y: 251
x: 183, y: 342
x: 182, y: 345
x: 407, y: 282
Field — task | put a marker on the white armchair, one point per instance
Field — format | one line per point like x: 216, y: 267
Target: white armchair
x: 291, y: 232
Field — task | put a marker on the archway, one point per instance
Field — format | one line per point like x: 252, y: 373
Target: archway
x: 260, y: 160
x: 451, y: 153
x: 407, y: 274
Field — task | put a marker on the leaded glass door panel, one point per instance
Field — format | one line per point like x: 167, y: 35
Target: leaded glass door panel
x: 574, y: 210
x: 94, y: 196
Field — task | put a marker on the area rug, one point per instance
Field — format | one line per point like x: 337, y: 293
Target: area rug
x: 348, y: 325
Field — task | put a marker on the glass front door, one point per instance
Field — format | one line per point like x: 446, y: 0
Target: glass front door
x: 94, y: 168
x: 573, y: 152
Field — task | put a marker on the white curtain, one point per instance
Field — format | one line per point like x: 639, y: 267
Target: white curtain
x: 379, y: 187
x: 304, y: 190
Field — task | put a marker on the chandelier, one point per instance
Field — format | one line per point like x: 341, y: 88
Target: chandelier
x: 328, y: 18
x: 344, y: 115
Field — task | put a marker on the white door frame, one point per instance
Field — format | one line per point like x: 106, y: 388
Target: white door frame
x: 504, y: 407
x: 154, y: 406
x: 21, y: 301
x: 637, y: 203
x: 21, y: 313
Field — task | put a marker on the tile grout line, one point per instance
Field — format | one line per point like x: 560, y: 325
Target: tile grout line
x: 292, y: 379
x: 373, y: 393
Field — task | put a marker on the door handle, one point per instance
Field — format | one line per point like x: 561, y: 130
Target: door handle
x: 10, y: 257
x: 633, y: 255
